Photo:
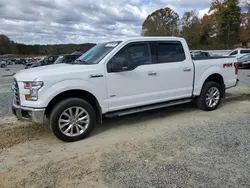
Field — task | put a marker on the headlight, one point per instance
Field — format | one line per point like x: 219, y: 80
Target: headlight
x: 34, y: 88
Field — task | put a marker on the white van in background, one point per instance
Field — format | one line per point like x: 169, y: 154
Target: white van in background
x: 239, y: 52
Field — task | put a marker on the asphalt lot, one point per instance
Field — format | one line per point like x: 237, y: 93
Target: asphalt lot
x: 174, y: 147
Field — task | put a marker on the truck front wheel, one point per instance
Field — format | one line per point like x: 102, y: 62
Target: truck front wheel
x: 210, y: 97
x: 72, y: 119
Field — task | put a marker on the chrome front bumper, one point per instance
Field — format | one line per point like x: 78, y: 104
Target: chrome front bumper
x: 28, y: 114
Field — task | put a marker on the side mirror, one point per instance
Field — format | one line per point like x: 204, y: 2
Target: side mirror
x: 118, y: 64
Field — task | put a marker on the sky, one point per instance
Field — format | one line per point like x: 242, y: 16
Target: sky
x: 82, y: 21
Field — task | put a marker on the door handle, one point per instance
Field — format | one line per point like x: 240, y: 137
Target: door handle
x: 95, y: 75
x: 187, y: 69
x: 151, y: 73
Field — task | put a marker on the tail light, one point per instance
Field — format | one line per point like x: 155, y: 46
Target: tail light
x: 236, y: 67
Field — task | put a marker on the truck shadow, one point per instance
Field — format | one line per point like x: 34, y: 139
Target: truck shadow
x: 144, y: 117
x: 231, y: 97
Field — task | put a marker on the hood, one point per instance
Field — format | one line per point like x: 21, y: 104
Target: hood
x: 49, y: 70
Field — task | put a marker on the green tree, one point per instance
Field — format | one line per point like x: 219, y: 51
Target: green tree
x: 191, y: 28
x: 245, y: 24
x: 228, y: 19
x: 207, y: 29
x: 162, y: 22
x: 7, y: 46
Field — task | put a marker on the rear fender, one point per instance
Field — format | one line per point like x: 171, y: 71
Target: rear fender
x: 199, y: 82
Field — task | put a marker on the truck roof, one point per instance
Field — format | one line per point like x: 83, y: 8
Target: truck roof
x: 241, y: 49
x: 150, y: 38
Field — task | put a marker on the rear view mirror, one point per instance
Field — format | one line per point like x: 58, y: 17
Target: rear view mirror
x: 118, y: 65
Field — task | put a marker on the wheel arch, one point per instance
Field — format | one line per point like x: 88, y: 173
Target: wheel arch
x: 218, y: 78
x: 78, y: 93
x: 213, y: 73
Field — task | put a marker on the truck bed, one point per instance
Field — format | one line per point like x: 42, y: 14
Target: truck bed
x: 223, y: 65
x: 212, y: 57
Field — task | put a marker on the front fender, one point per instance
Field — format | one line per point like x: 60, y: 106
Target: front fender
x: 201, y: 77
x: 46, y: 94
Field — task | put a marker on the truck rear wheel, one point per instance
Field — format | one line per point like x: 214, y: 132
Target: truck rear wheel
x: 210, y: 97
x: 72, y: 119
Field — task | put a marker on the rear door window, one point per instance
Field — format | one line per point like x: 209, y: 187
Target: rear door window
x: 245, y: 52
x: 169, y: 52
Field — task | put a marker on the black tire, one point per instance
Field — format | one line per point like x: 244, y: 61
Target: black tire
x: 201, y: 100
x: 60, y: 108
x: 3, y: 65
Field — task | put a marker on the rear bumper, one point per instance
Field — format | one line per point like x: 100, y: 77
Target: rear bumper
x: 28, y: 114
x: 237, y: 82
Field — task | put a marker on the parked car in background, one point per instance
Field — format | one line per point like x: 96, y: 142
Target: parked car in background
x: 238, y: 52
x: 49, y: 60
x: 33, y: 59
x: 28, y: 60
x: 20, y: 61
x: 244, y: 61
x: 120, y: 78
x: 33, y: 62
x: 3, y: 63
x: 199, y: 53
x: 67, y: 58
x: 11, y: 61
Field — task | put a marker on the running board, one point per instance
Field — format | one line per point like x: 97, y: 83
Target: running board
x: 146, y: 108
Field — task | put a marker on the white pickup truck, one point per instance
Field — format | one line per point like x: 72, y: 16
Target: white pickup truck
x: 118, y: 78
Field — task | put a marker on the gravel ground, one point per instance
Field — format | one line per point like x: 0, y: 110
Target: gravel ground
x: 5, y: 104
x: 179, y: 146
x: 6, y: 79
x: 244, y: 76
x: 208, y: 154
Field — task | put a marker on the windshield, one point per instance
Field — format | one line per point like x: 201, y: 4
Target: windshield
x: 97, y: 53
x: 59, y: 60
x: 233, y: 52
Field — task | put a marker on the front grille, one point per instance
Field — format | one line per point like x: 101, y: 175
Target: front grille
x: 16, y: 92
